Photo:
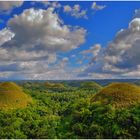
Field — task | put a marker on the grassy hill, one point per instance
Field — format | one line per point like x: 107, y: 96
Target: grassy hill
x: 12, y: 96
x: 90, y: 85
x: 119, y: 95
x: 54, y: 85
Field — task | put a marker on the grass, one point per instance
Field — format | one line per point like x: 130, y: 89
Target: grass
x: 12, y: 96
x: 119, y: 95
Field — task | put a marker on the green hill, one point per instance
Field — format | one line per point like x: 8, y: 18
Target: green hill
x: 119, y: 95
x: 12, y: 96
x: 90, y: 85
x: 54, y: 85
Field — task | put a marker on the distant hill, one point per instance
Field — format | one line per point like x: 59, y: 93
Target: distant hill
x: 54, y: 85
x: 90, y: 85
x: 119, y: 95
x: 12, y: 96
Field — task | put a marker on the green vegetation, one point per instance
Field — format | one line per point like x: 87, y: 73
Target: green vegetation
x: 119, y: 95
x: 72, y: 112
x: 90, y: 85
x: 54, y: 85
x: 12, y: 96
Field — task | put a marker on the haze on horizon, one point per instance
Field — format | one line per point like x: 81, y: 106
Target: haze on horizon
x: 69, y: 40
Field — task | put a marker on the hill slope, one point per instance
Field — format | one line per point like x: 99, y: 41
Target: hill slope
x: 54, y: 85
x: 119, y: 95
x: 90, y: 85
x: 12, y: 96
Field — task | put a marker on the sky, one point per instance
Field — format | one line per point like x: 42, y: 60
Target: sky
x: 67, y: 40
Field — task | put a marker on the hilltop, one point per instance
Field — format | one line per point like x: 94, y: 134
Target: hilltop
x: 54, y: 85
x: 119, y: 95
x: 90, y: 85
x: 12, y: 96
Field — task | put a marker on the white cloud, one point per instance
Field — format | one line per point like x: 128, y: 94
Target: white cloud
x: 44, y: 28
x: 94, y: 50
x: 75, y: 11
x: 134, y: 73
x: 100, y: 76
x: 121, y: 57
x: 137, y: 13
x: 90, y: 54
x: 97, y: 7
x: 73, y: 56
x: 32, y: 40
x: 53, y: 4
x: 67, y: 8
x: 56, y: 4
x: 9, y: 5
x: 5, y: 35
x: 40, y: 70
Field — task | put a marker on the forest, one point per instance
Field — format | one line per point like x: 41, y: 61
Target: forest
x: 73, y: 110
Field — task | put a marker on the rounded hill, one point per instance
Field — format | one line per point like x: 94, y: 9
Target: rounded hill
x: 12, y: 96
x: 54, y: 85
x: 119, y: 95
x: 90, y: 85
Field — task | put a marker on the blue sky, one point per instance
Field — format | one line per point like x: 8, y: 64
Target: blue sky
x: 69, y: 40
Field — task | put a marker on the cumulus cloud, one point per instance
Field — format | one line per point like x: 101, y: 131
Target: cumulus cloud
x: 5, y: 35
x: 9, y: 5
x: 135, y: 73
x: 54, y: 4
x: 39, y: 70
x: 121, y: 57
x: 137, y: 13
x: 44, y: 28
x: 123, y: 51
x: 90, y: 54
x: 32, y: 40
x: 67, y: 8
x: 97, y: 7
x: 94, y: 50
x: 75, y: 11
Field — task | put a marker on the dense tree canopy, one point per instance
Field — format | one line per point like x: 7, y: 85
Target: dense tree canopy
x: 68, y: 114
